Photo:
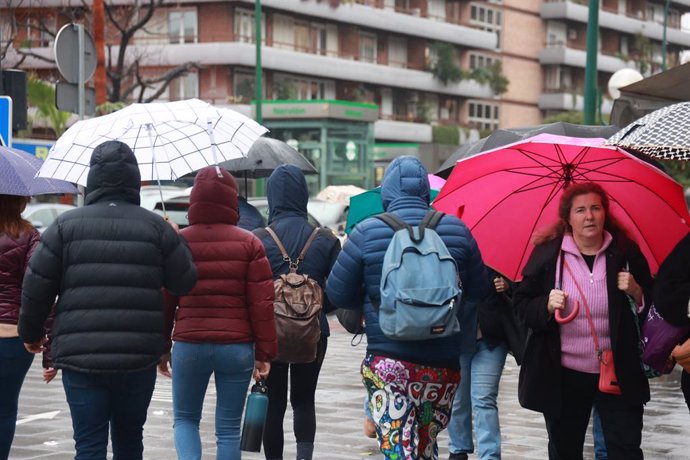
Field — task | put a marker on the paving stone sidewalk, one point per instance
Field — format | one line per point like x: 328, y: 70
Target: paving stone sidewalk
x: 44, y: 426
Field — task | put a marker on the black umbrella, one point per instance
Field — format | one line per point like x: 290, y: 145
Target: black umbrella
x: 502, y: 137
x: 266, y: 155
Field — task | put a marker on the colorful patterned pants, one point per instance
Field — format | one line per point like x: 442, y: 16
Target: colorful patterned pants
x: 410, y: 404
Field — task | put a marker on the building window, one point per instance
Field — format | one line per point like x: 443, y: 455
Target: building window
x: 287, y: 87
x: 485, y: 18
x: 182, y: 26
x: 367, y: 47
x: 437, y: 10
x: 397, y: 52
x: 244, y: 86
x: 244, y: 26
x: 483, y: 116
x: 479, y: 61
x: 37, y: 32
x: 184, y: 87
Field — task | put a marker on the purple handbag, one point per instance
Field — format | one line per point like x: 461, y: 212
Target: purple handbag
x: 659, y: 337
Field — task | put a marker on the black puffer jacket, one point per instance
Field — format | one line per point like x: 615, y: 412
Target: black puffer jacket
x: 107, y: 262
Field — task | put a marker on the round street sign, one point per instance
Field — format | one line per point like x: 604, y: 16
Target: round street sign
x: 67, y: 53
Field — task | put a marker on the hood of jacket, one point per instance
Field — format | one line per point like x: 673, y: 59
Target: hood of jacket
x: 287, y: 193
x: 113, y: 174
x: 405, y: 182
x: 214, y: 198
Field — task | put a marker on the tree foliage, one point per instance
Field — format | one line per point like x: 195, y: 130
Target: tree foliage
x: 41, y: 95
x: 127, y: 78
x: 445, y: 67
x: 493, y: 76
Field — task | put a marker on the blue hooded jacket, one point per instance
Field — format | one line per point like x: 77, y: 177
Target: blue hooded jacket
x: 356, y: 276
x: 250, y: 217
x: 288, y: 195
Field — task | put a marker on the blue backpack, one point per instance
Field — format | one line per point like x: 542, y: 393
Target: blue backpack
x: 420, y: 287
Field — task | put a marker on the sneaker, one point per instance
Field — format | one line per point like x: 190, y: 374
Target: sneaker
x: 369, y: 428
x: 458, y: 456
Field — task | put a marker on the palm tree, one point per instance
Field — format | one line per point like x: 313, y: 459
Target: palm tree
x: 41, y: 95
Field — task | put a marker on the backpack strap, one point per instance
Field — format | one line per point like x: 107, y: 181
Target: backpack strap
x: 300, y: 258
x: 283, y: 252
x: 431, y: 219
x: 393, y: 221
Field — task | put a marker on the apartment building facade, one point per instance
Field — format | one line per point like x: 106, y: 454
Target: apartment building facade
x: 387, y: 53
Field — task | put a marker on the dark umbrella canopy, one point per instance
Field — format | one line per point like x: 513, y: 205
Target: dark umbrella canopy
x: 264, y: 156
x: 502, y: 137
x: 17, y: 175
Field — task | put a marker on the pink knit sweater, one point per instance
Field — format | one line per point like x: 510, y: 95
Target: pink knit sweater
x: 577, y: 345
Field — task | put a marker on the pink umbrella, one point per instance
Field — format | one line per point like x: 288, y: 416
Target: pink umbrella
x: 435, y: 182
x: 505, y: 194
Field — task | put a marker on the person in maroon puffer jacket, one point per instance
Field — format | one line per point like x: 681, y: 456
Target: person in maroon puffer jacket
x: 18, y: 239
x: 225, y: 325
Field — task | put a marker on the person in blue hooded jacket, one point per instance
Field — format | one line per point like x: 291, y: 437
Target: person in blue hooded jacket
x: 410, y: 384
x: 288, y: 195
x: 250, y: 217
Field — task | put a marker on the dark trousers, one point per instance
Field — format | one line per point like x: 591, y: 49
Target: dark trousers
x: 101, y: 402
x: 15, y: 362
x: 685, y: 386
x: 621, y: 421
x: 303, y: 380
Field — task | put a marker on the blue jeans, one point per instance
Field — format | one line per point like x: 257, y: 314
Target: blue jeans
x: 192, y: 365
x: 600, y: 452
x: 480, y: 373
x: 115, y: 401
x: 15, y: 362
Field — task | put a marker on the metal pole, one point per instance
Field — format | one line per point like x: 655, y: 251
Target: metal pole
x: 663, y: 39
x: 257, y: 38
x: 80, y: 91
x: 591, y: 67
x: 259, y: 184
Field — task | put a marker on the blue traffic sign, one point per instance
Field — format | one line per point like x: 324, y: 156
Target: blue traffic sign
x: 5, y: 121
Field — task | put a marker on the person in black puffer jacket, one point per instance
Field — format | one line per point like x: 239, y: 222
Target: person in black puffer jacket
x: 106, y: 262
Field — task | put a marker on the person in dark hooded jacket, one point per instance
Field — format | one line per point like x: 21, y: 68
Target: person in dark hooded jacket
x: 288, y: 195
x: 250, y: 217
x: 410, y: 384
x: 106, y: 262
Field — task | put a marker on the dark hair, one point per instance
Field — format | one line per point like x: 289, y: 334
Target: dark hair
x: 11, y: 221
x: 565, y: 205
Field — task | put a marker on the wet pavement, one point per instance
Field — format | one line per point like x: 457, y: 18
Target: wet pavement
x: 44, y: 426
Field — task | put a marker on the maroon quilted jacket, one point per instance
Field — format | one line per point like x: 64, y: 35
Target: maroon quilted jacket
x: 232, y: 301
x: 14, y: 258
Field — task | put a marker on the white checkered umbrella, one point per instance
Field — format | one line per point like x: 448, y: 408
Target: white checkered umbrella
x: 169, y: 139
x: 664, y: 133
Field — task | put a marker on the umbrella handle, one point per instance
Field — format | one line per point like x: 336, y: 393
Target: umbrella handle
x: 560, y: 319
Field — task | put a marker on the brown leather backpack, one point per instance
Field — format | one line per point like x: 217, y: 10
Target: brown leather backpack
x: 297, y: 306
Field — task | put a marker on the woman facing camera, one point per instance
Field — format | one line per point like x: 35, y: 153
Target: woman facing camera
x: 575, y: 297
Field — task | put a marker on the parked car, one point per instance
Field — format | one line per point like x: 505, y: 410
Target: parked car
x: 177, y: 207
x: 151, y: 194
x: 41, y: 215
